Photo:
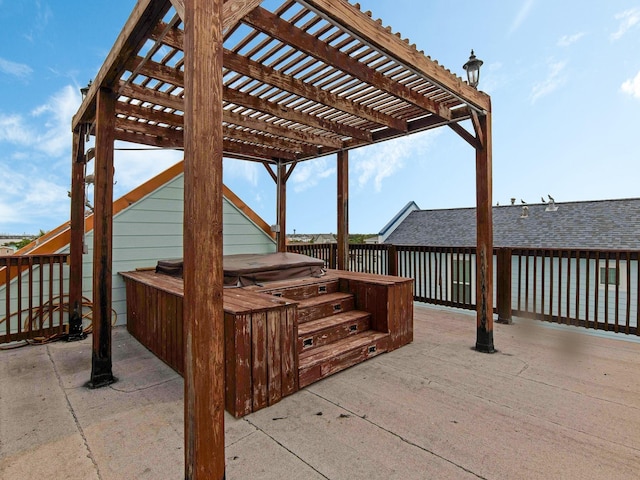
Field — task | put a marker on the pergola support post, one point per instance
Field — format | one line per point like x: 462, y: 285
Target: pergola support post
x: 343, y: 210
x: 203, y: 275
x: 281, y: 234
x: 101, y: 367
x: 484, y: 221
x: 76, y: 246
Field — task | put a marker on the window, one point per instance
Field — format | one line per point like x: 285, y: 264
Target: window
x: 461, y: 281
x: 612, y: 279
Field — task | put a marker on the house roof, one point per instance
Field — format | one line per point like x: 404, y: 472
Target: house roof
x: 301, y: 79
x: 409, y: 207
x: 608, y: 224
x: 59, y: 237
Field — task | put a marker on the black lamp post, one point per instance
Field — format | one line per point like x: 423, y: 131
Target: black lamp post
x: 473, y: 70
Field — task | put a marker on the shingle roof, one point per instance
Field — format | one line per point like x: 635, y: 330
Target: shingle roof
x: 603, y: 224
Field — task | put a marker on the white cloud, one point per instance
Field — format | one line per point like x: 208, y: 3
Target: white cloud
x: 242, y: 169
x: 632, y: 86
x: 308, y: 174
x: 137, y: 164
x: 15, y: 69
x: 48, y: 129
x: 55, y: 140
x: 29, y: 198
x: 375, y: 163
x: 522, y: 15
x: 628, y: 20
x: 555, y: 79
x: 13, y: 130
x: 567, y: 40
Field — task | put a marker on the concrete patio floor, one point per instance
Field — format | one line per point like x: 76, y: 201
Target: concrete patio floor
x: 553, y: 403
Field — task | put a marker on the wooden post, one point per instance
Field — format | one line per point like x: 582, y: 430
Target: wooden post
x: 484, y: 257
x: 101, y: 373
x: 503, y: 285
x: 203, y: 275
x: 281, y: 236
x: 76, y: 246
x: 343, y: 210
x: 392, y: 258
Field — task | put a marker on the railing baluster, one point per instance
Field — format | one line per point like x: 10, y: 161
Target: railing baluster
x: 638, y: 294
x: 628, y: 290
x: 568, y: 292
x: 617, y: 284
x: 61, y: 293
x: 560, y: 257
x: 577, y: 305
x: 544, y: 256
x: 586, y: 288
x: 8, y: 300
x: 596, y: 300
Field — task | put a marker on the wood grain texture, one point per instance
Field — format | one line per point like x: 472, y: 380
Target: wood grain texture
x: 484, y: 256
x: 203, y: 243
x: 101, y: 363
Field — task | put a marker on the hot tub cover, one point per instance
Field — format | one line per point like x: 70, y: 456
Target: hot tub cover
x: 248, y: 269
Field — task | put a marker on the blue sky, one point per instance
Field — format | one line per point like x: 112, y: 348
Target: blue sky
x: 564, y: 78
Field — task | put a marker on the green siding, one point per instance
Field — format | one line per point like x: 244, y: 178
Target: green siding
x: 151, y: 230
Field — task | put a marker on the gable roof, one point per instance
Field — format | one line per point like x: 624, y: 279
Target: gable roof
x: 609, y: 224
x: 59, y: 237
x: 401, y: 215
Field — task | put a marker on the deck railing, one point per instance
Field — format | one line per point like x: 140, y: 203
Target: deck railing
x: 32, y: 295
x: 589, y: 288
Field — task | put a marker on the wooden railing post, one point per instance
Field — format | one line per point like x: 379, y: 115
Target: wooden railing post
x: 392, y: 258
x: 333, y: 255
x: 503, y: 285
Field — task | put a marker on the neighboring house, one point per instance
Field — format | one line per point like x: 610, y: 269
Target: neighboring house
x: 398, y: 218
x: 598, y: 225
x: 325, y: 238
x: 147, y: 227
x: 4, y: 250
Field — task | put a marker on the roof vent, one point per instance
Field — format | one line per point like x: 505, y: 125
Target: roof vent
x: 525, y: 212
x: 551, y: 206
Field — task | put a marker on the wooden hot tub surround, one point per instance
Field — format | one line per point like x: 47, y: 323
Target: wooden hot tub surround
x: 280, y: 336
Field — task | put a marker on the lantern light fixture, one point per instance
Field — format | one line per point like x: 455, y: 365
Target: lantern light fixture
x: 473, y: 70
x: 85, y: 90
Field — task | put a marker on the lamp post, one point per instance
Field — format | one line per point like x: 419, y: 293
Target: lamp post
x: 473, y: 70
x: 85, y: 90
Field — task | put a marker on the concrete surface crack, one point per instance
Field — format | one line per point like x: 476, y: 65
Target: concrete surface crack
x: 143, y: 388
x: 242, y: 438
x: 73, y: 414
x: 287, y: 449
x: 400, y: 437
x: 523, y: 369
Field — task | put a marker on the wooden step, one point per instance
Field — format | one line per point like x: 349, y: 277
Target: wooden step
x: 323, y: 361
x: 333, y: 328
x: 324, y: 306
x: 302, y: 292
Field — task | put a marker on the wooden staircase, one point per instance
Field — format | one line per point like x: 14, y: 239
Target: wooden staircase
x: 332, y: 335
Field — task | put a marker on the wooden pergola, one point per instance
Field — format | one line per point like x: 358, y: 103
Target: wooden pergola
x: 278, y: 86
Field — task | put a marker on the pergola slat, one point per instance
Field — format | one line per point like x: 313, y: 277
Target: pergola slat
x: 267, y: 22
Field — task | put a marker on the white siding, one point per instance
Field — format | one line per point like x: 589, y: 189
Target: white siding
x: 151, y: 230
